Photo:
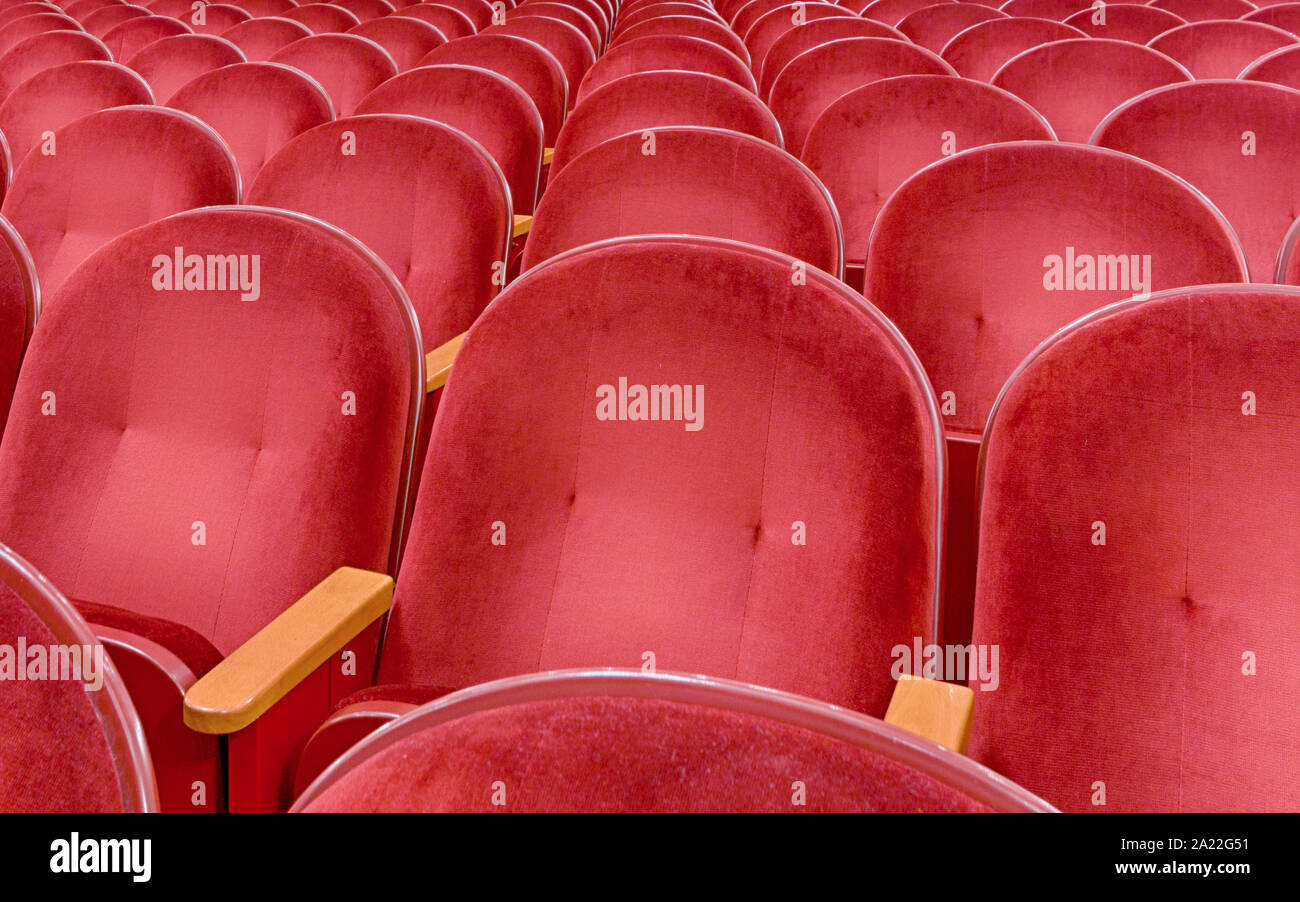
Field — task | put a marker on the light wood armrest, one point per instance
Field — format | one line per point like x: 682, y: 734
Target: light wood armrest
x: 284, y: 652
x: 437, y: 363
x: 940, y: 712
x: 548, y: 154
x: 522, y: 225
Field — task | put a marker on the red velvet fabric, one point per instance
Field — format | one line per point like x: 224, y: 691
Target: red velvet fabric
x: 169, y: 64
x: 749, y: 14
x: 623, y: 538
x: 812, y: 34
x: 45, y: 51
x: 346, y: 66
x: 395, y: 692
x: 18, y: 9
x: 934, y: 26
x: 595, y: 35
x: 524, y: 62
x: 1200, y: 10
x: 686, y: 26
x: 79, y: 9
x: 54, y: 755
x: 1195, y: 130
x: 17, y: 311
x: 656, y: 99
x: 1281, y: 67
x: 195, y: 651
x: 979, y: 51
x: 323, y: 18
x: 631, y: 18
x: 257, y: 108
x: 405, y: 39
x: 114, y: 170
x: 1125, y: 22
x: 265, y: 8
x: 102, y: 21
x: 562, y: 40
x: 1283, y: 15
x: 890, y: 12
x: 488, y: 107
x: 874, y: 138
x: 599, y: 754
x: 666, y: 52
x: 451, y: 23
x: 1127, y: 664
x: 771, y: 25
x: 197, y: 407
x: 176, y: 9
x: 1075, y: 83
x: 698, y: 182
x: 132, y: 36
x: 418, y: 193
x: 217, y: 18
x: 22, y: 28
x: 366, y: 10
x: 259, y: 39
x: 818, y: 77
x: 1221, y: 49
x: 1058, y: 10
x: 62, y: 94
x: 959, y: 255
x: 478, y: 11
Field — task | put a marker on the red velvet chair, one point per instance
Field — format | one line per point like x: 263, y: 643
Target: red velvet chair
x: 18, y: 9
x: 79, y: 9
x: 561, y: 39
x: 690, y: 27
x: 979, y: 51
x: 666, y: 52
x: 114, y: 170
x: 261, y: 9
x: 594, y: 34
x: 1281, y: 67
x: 1220, y: 49
x: 451, y: 23
x: 1235, y: 141
x: 1057, y: 10
x: 1282, y: 15
x: 657, y: 99
x: 527, y: 64
x: 346, y: 66
x: 215, y: 18
x: 48, y: 101
x: 407, y: 40
x: 598, y: 13
x: 27, y: 26
x: 1125, y: 22
x: 169, y: 64
x: 767, y: 29
x: 818, y: 77
x: 45, y: 51
x: 323, y: 18
x: 259, y: 39
x: 175, y: 9
x: 625, y: 741
x: 631, y: 18
x: 932, y: 27
x: 478, y: 11
x: 257, y: 108
x: 264, y: 443
x: 813, y: 34
x: 749, y: 14
x: 1200, y: 10
x: 366, y: 10
x: 487, y: 107
x: 1288, y: 261
x: 890, y: 12
x: 20, y: 305
x: 1137, y: 562
x: 1075, y: 83
x: 698, y: 181
x: 551, y: 535
x: 133, y: 35
x: 102, y: 21
x: 1034, y: 235
x: 63, y: 747
x: 426, y: 198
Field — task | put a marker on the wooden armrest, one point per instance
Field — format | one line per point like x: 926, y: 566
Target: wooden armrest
x: 284, y: 652
x: 548, y: 154
x: 522, y: 225
x: 437, y: 363
x: 941, y: 712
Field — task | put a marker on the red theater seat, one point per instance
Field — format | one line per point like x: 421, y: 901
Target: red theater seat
x: 102, y: 21
x: 366, y: 10
x: 624, y: 741
x: 451, y: 23
x: 20, y: 10
x: 259, y: 39
x: 771, y: 25
x: 423, y: 196
x: 21, y: 29
x: 934, y: 26
x: 114, y: 170
x: 1058, y: 10
x: 634, y: 103
x: 1124, y: 22
x: 257, y: 108
x: 890, y: 12
x: 525, y: 63
x: 57, y: 96
x: 1075, y: 83
x: 697, y: 181
x: 1200, y: 10
x: 594, y: 34
x: 1280, y: 15
x: 64, y: 749
x: 630, y: 18
x: 564, y: 42
x: 818, y: 77
x: 979, y: 51
x: 133, y: 35
x: 264, y: 8
x: 813, y: 34
x: 19, y: 308
x: 45, y: 51
x: 213, y: 432
x: 689, y: 27
x: 407, y: 40
x: 1128, y: 463
x: 172, y: 62
x: 176, y: 9
x: 666, y: 52
x: 348, y: 67
x: 749, y: 14
x: 478, y: 11
x: 1233, y: 140
x: 487, y: 107
x: 1220, y: 49
x: 323, y: 18
x: 215, y: 18
x: 1281, y: 67
x: 79, y: 9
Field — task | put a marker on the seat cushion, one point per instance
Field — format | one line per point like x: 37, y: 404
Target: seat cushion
x: 196, y: 652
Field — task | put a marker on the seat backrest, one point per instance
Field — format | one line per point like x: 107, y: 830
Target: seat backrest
x: 215, y: 427
x: 812, y: 34
x: 215, y: 18
x: 79, y: 9
x: 425, y: 197
x: 169, y: 64
x: 688, y: 180
x: 257, y: 108
x: 681, y: 743
x: 102, y: 21
x: 818, y: 77
x: 934, y: 26
x: 1123, y: 476
x: 45, y: 51
x: 1200, y: 10
x: 367, y: 10
x: 113, y: 170
x: 666, y: 52
x: 1234, y: 141
x: 594, y: 34
x: 982, y: 255
x: 265, y: 8
x: 1124, y: 22
x: 59, y: 95
x: 348, y: 67
x: 527, y: 64
x: 488, y: 107
x: 12, y: 10
x: 39, y: 23
x: 405, y: 39
x: 1281, y: 67
x: 323, y: 18
x: 890, y: 12
x: 772, y: 24
x: 710, y: 490
x: 631, y: 18
x: 259, y: 39
x: 1075, y: 83
x: 20, y: 304
x: 662, y: 98
x: 133, y: 35
x: 687, y: 26
x: 1058, y: 10
x: 876, y: 137
x: 478, y: 11
x: 1283, y: 15
x: 451, y: 23
x: 1220, y: 48
x: 72, y: 742
x: 979, y: 51
x: 561, y: 39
